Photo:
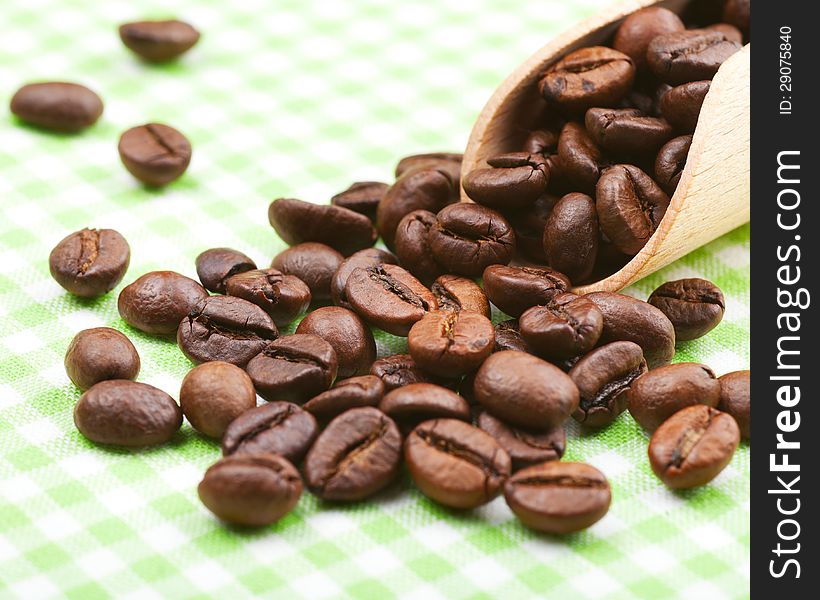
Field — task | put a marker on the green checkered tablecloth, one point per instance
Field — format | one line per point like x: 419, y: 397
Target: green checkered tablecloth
x: 299, y: 98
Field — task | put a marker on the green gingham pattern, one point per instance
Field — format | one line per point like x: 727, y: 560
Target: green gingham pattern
x: 299, y: 98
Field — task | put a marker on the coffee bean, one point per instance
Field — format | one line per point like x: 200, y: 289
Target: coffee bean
x: 157, y: 301
x: 529, y: 227
x: 126, y: 413
x: 419, y: 402
x: 632, y: 320
x: 213, y: 395
x: 692, y: 55
x: 227, y: 329
x: 731, y: 32
x: 369, y: 257
x: 456, y: 464
x: 626, y: 131
x: 693, y: 446
x: 297, y: 221
x: 293, y: 368
x: 558, y: 497
x: 413, y: 246
x: 695, y: 306
x: 154, y: 153
x: 388, y: 297
x: 350, y: 338
x: 735, y: 399
x: 399, y: 370
x: 736, y: 12
x: 362, y: 197
x: 570, y: 236
x: 447, y: 162
x: 98, y: 354
x: 670, y: 162
x: 355, y: 392
x: 416, y: 189
x: 450, y: 344
x: 582, y: 161
x: 565, y: 327
x: 508, y: 337
x: 251, y: 489
x: 454, y: 294
x: 65, y: 107
x: 275, y: 428
x: 595, y: 76
x: 630, y: 207
x: 657, y: 395
x: 314, y: 263
x: 90, y: 262
x: 681, y: 105
x: 358, y: 454
x: 515, y: 289
x: 641, y: 27
x: 283, y: 297
x: 513, y: 180
x: 467, y: 238
x: 525, y: 447
x: 158, y: 41
x: 215, y: 266
x: 526, y: 391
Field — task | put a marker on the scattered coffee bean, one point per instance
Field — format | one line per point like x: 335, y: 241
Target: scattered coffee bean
x: 350, y: 338
x: 692, y: 55
x: 695, y: 306
x: 640, y: 28
x: 508, y: 337
x: 399, y: 370
x: 355, y: 392
x: 283, y: 297
x: 158, y: 41
x: 275, y: 428
x: 450, y: 344
x: 154, y: 153
x: 513, y: 180
x: 570, y: 236
x: 157, y: 301
x: 98, y: 354
x: 369, y: 257
x: 413, y: 246
x: 55, y: 105
x: 126, y: 413
x: 213, y: 395
x: 215, y: 266
x: 515, y: 289
x: 735, y: 399
x: 456, y: 464
x: 314, y: 263
x: 670, y: 162
x: 626, y: 131
x: 454, y: 294
x: 681, y: 105
x: 693, y: 446
x: 567, y: 326
x: 525, y: 447
x: 581, y: 159
x: 361, y: 197
x: 447, y: 162
x: 419, y: 402
x: 90, y: 262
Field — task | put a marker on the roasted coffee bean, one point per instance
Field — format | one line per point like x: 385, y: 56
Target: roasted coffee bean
x: 158, y: 41
x: 283, y: 297
x: 399, y: 370
x: 456, y: 464
x: 450, y: 344
x: 293, y: 368
x: 351, y: 339
x: 657, y: 395
x: 417, y: 189
x: 215, y: 266
x: 681, y: 105
x: 275, y: 428
x: 692, y: 55
x: 670, y: 162
x: 126, y: 413
x: 594, y: 76
x: 358, y: 454
x: 154, y: 153
x: 632, y: 320
x: 604, y: 377
x: 297, y: 221
x: 314, y: 263
x: 731, y: 32
x: 98, y: 354
x: 640, y: 28
x: 735, y: 399
x: 454, y: 294
x: 66, y: 107
x: 630, y: 207
x: 362, y: 197
x: 369, y: 257
x: 419, y: 402
x: 514, y: 180
x: 447, y: 162
x: 515, y: 289
x: 355, y: 392
x: 388, y: 297
x: 157, y: 301
x: 251, y: 489
x: 508, y: 337
x: 525, y: 391
x: 413, y: 245
x: 695, y: 306
x: 567, y: 326
x: 558, y: 497
x: 214, y: 394
x: 90, y: 262
x: 736, y: 12
x: 225, y: 328
x: 570, y: 236
x: 626, y: 131
x: 581, y: 159
x: 467, y: 238
x: 525, y: 447
x: 693, y: 446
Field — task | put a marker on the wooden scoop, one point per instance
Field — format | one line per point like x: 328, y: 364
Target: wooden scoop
x: 713, y: 194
